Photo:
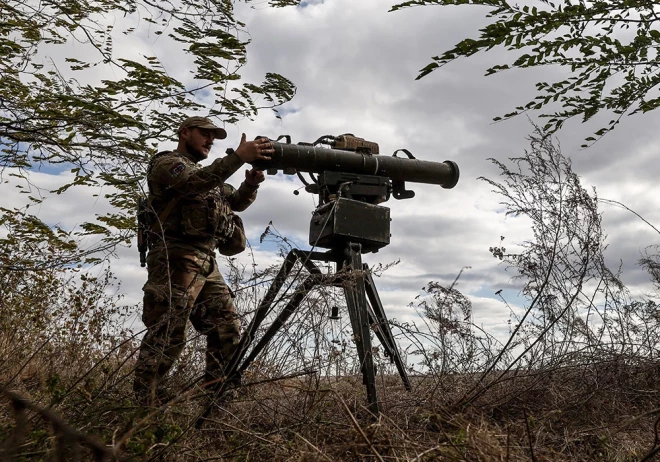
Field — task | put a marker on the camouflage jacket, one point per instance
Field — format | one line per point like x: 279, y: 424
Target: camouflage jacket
x: 201, y: 199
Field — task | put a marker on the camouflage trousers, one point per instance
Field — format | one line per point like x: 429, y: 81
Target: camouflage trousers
x: 183, y: 284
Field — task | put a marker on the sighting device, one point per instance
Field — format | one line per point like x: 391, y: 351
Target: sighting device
x: 351, y: 180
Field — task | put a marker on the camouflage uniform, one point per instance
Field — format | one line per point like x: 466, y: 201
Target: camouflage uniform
x: 184, y: 281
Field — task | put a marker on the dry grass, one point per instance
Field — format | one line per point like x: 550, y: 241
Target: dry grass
x: 573, y: 414
x: 577, y: 380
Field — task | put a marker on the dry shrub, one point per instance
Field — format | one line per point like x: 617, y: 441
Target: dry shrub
x: 575, y: 381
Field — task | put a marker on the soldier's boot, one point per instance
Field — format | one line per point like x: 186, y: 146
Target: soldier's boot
x: 216, y: 352
x: 150, y: 370
x: 145, y: 389
x: 151, y: 392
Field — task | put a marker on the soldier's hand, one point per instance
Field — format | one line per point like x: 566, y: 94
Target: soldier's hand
x: 260, y: 149
x: 254, y: 177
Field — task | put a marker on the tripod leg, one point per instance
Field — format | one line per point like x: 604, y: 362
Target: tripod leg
x: 301, y: 291
x: 234, y: 365
x: 356, y: 302
x: 382, y: 327
x: 261, y: 313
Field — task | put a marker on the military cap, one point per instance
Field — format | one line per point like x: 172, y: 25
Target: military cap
x: 203, y: 122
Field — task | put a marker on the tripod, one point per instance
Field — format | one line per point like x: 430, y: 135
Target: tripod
x: 352, y: 181
x: 348, y: 222
x: 354, y: 277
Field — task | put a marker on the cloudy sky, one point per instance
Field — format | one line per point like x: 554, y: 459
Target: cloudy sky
x: 354, y: 64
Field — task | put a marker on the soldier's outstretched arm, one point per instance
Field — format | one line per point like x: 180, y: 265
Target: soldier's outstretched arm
x: 246, y: 194
x: 172, y: 172
x: 241, y: 198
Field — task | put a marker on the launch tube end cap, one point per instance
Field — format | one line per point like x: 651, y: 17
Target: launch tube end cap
x: 453, y: 176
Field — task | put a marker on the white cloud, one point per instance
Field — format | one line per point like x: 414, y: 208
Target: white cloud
x: 354, y: 64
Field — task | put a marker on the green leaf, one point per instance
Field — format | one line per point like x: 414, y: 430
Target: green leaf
x: 104, y: 133
x: 591, y: 40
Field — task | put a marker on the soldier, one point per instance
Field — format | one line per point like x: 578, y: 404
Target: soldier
x: 193, y: 205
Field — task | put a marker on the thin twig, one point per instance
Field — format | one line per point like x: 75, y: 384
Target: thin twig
x: 312, y: 446
x: 422, y: 454
x: 612, y: 202
x: 529, y: 436
x: 358, y: 428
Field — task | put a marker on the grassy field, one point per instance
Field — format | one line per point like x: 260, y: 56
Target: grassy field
x: 74, y: 402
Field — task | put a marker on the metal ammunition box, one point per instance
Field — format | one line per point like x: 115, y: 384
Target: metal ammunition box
x: 347, y: 220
